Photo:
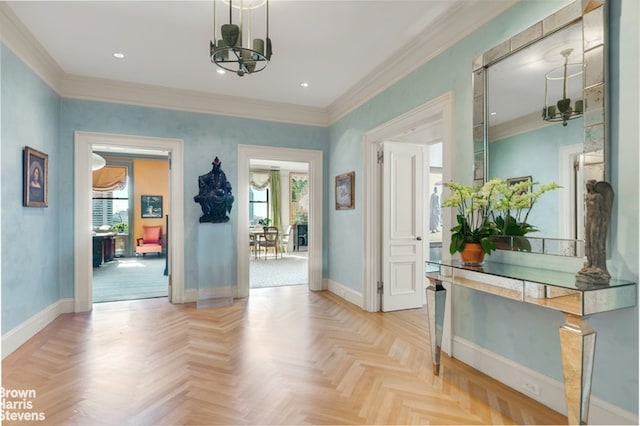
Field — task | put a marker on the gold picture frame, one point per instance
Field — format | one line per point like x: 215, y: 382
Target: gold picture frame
x: 344, y: 191
x: 35, y: 178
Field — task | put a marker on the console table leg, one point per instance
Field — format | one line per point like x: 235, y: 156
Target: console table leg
x: 436, y: 297
x: 578, y: 344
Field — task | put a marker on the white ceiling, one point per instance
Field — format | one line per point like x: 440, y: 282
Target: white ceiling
x: 332, y: 45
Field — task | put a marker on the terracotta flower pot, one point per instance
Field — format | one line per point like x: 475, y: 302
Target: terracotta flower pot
x: 472, y: 254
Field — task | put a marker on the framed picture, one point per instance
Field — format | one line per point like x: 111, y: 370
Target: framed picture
x: 517, y: 180
x: 35, y: 181
x: 151, y: 206
x: 345, y: 191
x: 299, y: 198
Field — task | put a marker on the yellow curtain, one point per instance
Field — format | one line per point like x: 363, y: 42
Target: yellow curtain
x: 109, y: 178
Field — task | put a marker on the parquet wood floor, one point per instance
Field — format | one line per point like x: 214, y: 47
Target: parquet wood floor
x: 283, y: 356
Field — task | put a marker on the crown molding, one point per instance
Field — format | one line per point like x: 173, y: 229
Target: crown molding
x: 525, y: 124
x: 428, y: 44
x: 15, y: 36
x: 105, y: 90
x: 434, y: 40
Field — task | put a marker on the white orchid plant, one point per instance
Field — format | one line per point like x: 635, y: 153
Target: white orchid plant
x: 495, y: 208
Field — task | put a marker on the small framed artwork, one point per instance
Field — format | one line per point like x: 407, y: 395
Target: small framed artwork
x: 518, y: 180
x: 35, y: 180
x: 345, y: 191
x: 151, y: 206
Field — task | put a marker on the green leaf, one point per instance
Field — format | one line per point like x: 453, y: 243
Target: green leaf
x: 457, y: 243
x: 487, y: 245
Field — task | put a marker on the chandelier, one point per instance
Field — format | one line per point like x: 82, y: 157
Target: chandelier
x: 566, y: 79
x: 232, y: 47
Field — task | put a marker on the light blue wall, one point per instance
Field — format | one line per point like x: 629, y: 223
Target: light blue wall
x: 38, y: 270
x: 526, y: 334
x: 205, y: 137
x: 536, y: 154
x: 30, y: 235
x: 448, y: 72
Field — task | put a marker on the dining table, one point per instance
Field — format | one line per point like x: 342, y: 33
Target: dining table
x: 256, y: 234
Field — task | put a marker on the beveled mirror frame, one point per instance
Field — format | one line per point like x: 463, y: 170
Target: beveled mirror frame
x: 592, y: 15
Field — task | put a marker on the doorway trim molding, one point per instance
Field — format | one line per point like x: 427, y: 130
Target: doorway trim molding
x: 314, y: 159
x: 438, y: 109
x: 83, y: 267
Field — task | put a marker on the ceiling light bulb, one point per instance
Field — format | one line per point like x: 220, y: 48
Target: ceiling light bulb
x: 118, y: 55
x: 220, y: 71
x: 304, y: 84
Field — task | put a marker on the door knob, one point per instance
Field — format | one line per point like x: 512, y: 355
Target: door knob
x: 419, y: 238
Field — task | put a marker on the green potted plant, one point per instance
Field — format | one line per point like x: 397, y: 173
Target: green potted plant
x: 264, y: 221
x: 511, y: 211
x: 474, y: 208
x: 121, y: 227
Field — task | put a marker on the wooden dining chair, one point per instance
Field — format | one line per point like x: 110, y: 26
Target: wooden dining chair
x: 284, y: 240
x: 270, y: 239
x: 253, y: 244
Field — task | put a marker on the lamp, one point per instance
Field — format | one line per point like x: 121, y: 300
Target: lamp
x: 234, y: 49
x: 567, y: 78
x: 97, y: 162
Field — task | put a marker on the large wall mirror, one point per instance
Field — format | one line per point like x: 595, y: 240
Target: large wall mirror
x: 539, y: 112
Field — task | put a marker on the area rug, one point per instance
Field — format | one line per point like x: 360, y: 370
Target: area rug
x: 129, y: 279
x: 290, y: 269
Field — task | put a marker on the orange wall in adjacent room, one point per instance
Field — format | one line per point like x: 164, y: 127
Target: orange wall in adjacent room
x: 150, y: 177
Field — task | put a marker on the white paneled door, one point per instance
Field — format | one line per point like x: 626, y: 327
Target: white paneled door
x: 403, y: 219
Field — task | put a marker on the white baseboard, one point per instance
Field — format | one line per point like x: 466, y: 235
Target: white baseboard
x: 190, y: 295
x: 17, y: 336
x: 346, y: 293
x: 543, y: 389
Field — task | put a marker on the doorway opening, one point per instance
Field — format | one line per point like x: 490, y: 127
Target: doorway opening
x: 85, y: 144
x: 261, y: 155
x: 278, y: 223
x: 429, y: 124
x: 129, y: 226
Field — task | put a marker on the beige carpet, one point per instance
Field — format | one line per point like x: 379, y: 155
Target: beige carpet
x: 291, y: 269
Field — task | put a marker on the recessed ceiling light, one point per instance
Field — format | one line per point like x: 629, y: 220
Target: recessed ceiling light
x: 220, y: 71
x: 118, y: 55
x: 494, y: 113
x: 304, y: 84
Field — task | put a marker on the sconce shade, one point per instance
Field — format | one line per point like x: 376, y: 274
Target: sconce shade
x: 230, y: 34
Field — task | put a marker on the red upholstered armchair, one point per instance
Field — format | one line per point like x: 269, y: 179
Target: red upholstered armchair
x: 151, y: 241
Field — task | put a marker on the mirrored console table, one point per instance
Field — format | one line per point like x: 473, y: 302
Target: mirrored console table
x: 550, y: 289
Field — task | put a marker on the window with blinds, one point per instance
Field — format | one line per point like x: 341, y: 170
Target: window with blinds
x: 258, y: 205
x: 110, y: 199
